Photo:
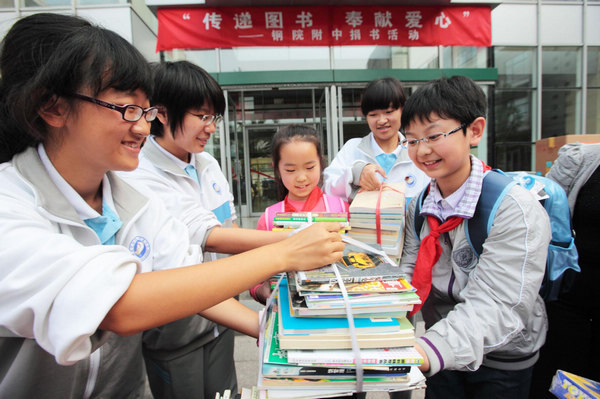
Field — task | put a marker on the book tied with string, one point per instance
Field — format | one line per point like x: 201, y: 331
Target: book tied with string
x: 378, y: 217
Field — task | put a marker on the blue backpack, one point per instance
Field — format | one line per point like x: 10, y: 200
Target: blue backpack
x: 562, y: 254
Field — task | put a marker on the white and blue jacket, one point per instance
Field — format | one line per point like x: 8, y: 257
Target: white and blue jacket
x: 57, y: 283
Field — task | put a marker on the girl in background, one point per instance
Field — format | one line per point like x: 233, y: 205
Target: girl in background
x: 79, y: 240
x: 297, y: 164
x: 364, y: 163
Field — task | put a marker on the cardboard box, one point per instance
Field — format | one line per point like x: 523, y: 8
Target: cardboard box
x: 546, y: 150
x: 570, y: 386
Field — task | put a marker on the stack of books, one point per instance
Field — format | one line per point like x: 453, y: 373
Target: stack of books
x: 390, y: 205
x: 308, y: 342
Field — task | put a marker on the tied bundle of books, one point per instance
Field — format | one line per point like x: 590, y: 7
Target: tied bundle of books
x: 311, y: 355
x: 377, y: 217
x: 293, y: 220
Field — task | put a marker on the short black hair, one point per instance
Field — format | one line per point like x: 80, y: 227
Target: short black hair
x: 180, y: 86
x: 457, y: 97
x: 381, y: 94
x: 48, y: 55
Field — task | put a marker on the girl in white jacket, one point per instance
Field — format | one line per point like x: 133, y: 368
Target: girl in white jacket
x: 77, y: 239
x: 364, y: 163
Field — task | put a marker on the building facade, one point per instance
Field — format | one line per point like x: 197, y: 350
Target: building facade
x: 541, y: 75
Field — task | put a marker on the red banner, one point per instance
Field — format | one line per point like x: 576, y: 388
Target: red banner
x: 225, y: 27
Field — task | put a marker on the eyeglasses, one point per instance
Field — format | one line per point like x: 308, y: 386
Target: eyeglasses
x: 430, y: 139
x: 129, y: 112
x: 208, y: 119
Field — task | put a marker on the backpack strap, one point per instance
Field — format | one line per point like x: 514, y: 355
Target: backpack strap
x: 495, y: 186
x: 419, y: 219
x: 493, y: 189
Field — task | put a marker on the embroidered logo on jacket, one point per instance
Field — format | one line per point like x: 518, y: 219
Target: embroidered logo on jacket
x: 216, y: 187
x: 139, y: 247
x: 464, y: 258
x: 410, y: 180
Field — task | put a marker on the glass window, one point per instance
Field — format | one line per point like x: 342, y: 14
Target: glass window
x: 593, y: 67
x: 561, y: 67
x: 274, y: 58
x: 45, y: 3
x: 593, y: 111
x: 513, y: 129
x: 94, y: 2
x: 516, y: 66
x: 360, y: 57
x: 414, y: 57
x: 464, y: 57
x: 206, y: 59
x: 7, y: 4
x: 560, y: 110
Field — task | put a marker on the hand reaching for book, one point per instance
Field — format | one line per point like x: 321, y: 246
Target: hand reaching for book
x: 368, y: 177
x: 315, y: 246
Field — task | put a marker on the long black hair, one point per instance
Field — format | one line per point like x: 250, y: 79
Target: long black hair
x: 46, y: 56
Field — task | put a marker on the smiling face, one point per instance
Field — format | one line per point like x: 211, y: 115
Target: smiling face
x: 299, y: 168
x: 93, y: 139
x: 447, y: 159
x: 385, y: 124
x: 191, y: 137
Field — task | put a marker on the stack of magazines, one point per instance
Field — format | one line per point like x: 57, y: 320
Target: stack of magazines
x: 325, y: 340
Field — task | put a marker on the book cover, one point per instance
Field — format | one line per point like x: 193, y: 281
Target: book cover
x: 390, y: 356
x: 272, y: 370
x: 358, y: 265
x: 399, y: 285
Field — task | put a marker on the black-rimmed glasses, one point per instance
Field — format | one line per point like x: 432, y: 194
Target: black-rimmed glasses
x: 431, y: 138
x: 129, y: 112
x: 208, y: 118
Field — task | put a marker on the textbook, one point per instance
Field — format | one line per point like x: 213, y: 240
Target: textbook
x: 406, y: 355
x: 357, y: 265
x: 272, y: 370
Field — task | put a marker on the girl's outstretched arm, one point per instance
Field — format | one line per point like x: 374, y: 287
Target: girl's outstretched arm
x: 160, y: 297
x: 232, y: 314
x: 234, y: 241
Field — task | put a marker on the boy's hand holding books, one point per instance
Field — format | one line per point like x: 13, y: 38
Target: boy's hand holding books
x: 313, y: 247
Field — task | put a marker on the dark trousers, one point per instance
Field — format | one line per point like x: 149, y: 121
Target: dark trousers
x: 572, y: 345
x: 198, y: 374
x: 485, y: 383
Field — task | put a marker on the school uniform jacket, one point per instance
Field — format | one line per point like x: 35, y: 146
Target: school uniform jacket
x: 57, y: 283
x: 342, y: 177
x: 486, y: 311
x: 196, y: 209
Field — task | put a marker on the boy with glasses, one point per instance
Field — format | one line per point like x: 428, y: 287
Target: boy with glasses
x: 484, y: 319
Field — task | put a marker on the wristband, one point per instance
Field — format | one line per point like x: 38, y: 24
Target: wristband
x: 253, y: 290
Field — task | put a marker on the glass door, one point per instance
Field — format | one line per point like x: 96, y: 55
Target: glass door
x: 261, y: 188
